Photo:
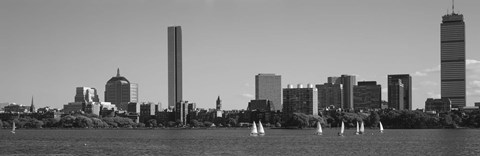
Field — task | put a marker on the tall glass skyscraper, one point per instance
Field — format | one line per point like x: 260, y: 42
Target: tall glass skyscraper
x: 174, y: 65
x: 269, y: 87
x: 452, y: 37
x: 348, y: 81
x: 400, y: 91
x: 119, y: 91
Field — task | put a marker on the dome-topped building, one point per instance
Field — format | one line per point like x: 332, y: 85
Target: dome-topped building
x: 120, y: 91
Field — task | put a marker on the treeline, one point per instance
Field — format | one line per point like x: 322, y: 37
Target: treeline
x: 393, y: 119
x: 418, y: 119
x: 72, y: 121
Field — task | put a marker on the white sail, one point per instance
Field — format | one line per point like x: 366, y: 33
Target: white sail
x: 342, y: 128
x: 13, y: 127
x: 254, y: 129
x: 319, y: 129
x: 362, y: 128
x: 381, y: 127
x: 260, y: 128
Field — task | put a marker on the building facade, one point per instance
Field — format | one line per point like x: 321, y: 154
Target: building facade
x: 330, y: 94
x: 348, y: 82
x: 86, y: 94
x: 120, y: 91
x: 367, y: 95
x: 300, y: 100
x: 174, y: 65
x: 395, y: 94
x: 269, y: 87
x: 452, y: 49
x: 405, y: 100
x: 438, y: 105
x: 15, y: 108
x: 261, y: 105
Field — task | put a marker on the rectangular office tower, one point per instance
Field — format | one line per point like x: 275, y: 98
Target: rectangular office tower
x: 367, y: 96
x: 452, y: 47
x: 397, y: 99
x: 300, y: 100
x: 269, y: 87
x: 330, y: 95
x: 348, y: 81
x: 174, y: 65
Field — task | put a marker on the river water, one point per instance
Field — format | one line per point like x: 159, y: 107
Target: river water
x: 238, y: 142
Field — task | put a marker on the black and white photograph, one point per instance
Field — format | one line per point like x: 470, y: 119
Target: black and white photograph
x: 240, y: 77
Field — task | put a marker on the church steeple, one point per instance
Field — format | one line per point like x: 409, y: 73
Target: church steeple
x: 118, y: 72
x: 32, y: 107
x: 219, y: 103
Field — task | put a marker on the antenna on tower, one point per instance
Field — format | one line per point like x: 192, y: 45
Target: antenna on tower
x: 453, y: 6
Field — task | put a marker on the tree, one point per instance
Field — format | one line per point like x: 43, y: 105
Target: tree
x: 151, y: 123
x: 170, y: 124
x: 374, y: 119
x: 83, y: 122
x: 141, y: 125
x: 98, y: 123
x: 208, y: 123
x: 51, y: 122
x: 233, y: 122
x: 194, y: 123
x: 110, y: 121
x: 68, y: 121
x: 298, y: 120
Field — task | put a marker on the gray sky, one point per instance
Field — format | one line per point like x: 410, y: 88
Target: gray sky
x: 49, y: 47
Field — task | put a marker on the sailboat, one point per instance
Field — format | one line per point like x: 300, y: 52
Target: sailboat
x: 260, y: 128
x: 381, y: 127
x: 341, y: 129
x: 319, y: 129
x: 254, y: 130
x: 13, y: 128
x: 358, y: 131
x: 362, y: 128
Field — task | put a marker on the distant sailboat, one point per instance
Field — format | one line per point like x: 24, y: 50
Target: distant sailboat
x: 254, y: 130
x: 260, y: 128
x: 362, y: 128
x: 358, y: 130
x: 13, y: 128
x: 319, y: 129
x: 341, y: 129
x: 381, y: 127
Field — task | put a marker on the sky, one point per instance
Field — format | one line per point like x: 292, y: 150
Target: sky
x: 50, y: 47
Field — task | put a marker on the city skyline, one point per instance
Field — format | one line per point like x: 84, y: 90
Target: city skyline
x: 219, y: 52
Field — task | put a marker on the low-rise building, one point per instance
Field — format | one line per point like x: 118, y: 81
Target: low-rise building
x: 260, y: 105
x: 438, y: 105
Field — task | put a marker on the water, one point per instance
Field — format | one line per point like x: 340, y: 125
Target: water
x: 238, y: 142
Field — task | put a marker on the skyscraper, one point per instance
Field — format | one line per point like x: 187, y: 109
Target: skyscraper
x: 367, y: 95
x: 348, y: 81
x: 452, y: 48
x: 118, y: 91
x: 86, y: 94
x: 269, y: 87
x: 330, y: 94
x: 393, y: 94
x: 300, y: 100
x: 174, y: 65
x: 396, y: 92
